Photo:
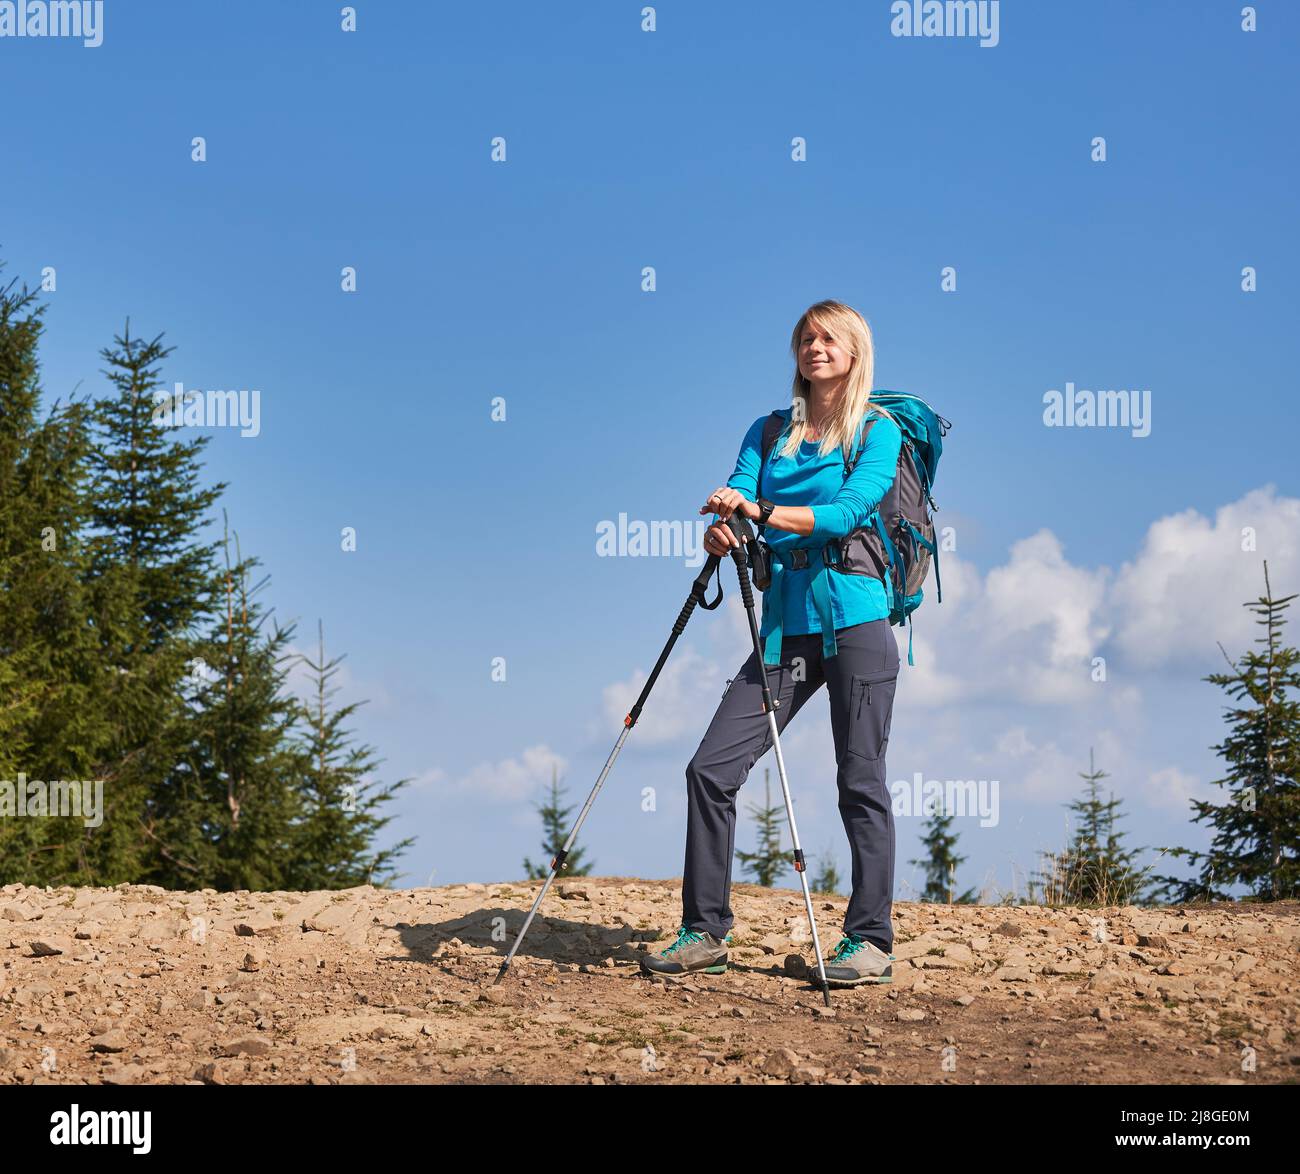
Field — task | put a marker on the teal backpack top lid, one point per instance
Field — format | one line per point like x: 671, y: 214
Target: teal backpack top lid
x: 897, y: 542
x: 922, y: 426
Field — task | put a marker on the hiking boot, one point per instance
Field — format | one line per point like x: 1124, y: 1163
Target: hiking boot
x: 693, y: 951
x: 856, y: 961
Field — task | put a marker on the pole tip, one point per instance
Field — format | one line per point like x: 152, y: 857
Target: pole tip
x: 501, y: 973
x: 826, y: 994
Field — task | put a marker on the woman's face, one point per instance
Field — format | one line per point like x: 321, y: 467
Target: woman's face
x: 822, y: 357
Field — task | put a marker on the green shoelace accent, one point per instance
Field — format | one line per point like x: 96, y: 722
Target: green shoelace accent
x: 685, y: 937
x: 846, y: 948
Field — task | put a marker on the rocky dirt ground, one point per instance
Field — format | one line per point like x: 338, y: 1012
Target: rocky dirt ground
x: 137, y: 984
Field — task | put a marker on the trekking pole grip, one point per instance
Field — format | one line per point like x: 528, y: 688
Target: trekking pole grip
x: 738, y: 524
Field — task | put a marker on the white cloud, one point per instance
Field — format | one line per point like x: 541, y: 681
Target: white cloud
x: 508, y: 780
x: 1048, y: 767
x: 1186, y: 587
x: 1026, y: 632
x: 429, y: 779
x: 1045, y: 766
x: 1015, y: 743
x: 1173, y: 789
x: 1040, y: 591
x: 687, y: 692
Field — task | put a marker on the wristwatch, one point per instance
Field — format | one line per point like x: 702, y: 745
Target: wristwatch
x: 765, y: 507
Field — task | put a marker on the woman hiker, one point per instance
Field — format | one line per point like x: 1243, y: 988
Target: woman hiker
x: 821, y: 625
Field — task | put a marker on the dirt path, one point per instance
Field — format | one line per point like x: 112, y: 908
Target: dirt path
x: 137, y: 984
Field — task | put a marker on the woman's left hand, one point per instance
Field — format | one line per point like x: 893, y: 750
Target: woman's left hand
x: 724, y: 501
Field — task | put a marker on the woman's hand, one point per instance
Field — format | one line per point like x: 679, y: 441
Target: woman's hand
x: 718, y: 539
x: 724, y: 501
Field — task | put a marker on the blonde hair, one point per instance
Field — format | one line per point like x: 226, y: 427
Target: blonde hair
x: 850, y: 330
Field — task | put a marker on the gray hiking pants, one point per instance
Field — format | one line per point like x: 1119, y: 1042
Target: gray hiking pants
x: 860, y: 681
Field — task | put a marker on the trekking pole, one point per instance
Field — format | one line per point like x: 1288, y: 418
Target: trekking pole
x: 740, y: 527
x: 696, y: 597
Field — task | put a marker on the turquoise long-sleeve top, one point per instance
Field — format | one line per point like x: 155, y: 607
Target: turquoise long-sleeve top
x: 813, y: 599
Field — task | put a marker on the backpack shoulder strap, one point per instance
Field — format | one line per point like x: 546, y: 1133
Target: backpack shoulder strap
x: 773, y: 426
x: 851, y: 464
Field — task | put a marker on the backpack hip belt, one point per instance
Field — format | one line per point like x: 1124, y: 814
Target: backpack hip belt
x: 797, y: 559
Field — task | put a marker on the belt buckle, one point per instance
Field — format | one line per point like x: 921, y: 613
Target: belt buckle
x: 798, y: 558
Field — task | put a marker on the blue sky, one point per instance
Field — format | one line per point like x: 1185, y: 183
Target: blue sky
x: 523, y: 279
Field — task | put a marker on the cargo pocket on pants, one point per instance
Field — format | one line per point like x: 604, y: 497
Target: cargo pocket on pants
x: 871, y: 710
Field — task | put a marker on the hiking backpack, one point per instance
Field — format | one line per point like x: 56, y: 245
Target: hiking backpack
x: 897, y: 543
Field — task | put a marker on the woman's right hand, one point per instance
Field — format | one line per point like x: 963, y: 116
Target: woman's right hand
x: 718, y: 539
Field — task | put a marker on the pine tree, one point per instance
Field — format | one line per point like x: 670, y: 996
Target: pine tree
x: 332, y: 843
x: 152, y: 581
x: 1095, y: 869
x: 555, y: 830
x: 148, y: 506
x: 941, y: 862
x: 18, y: 700
x: 1257, y: 830
x: 225, y: 816
x: 767, y: 864
x: 108, y: 601
x: 54, y: 723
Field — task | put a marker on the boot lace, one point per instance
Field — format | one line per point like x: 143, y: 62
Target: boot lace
x: 846, y: 948
x: 685, y: 937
